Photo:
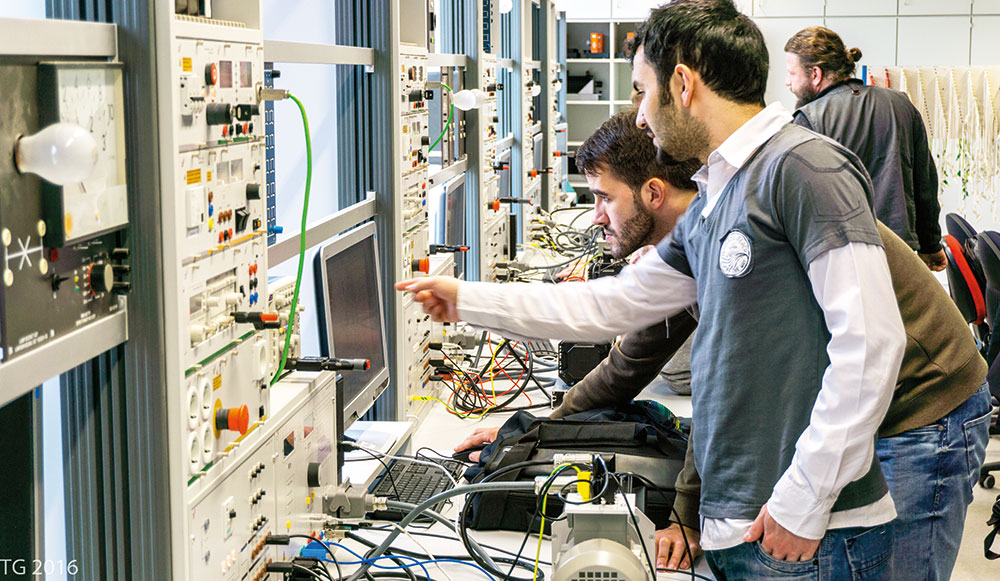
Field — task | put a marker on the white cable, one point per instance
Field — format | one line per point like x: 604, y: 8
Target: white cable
x: 422, y: 548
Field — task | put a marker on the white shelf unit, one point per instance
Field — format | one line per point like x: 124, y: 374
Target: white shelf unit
x: 611, y: 68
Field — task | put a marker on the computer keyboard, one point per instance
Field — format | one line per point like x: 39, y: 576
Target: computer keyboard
x: 413, y: 482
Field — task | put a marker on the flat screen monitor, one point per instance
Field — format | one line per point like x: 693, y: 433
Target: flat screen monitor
x: 452, y: 219
x: 504, y: 159
x: 538, y: 151
x: 352, y: 320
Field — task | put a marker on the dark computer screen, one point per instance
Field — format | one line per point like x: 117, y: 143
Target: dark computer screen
x: 454, y: 221
x: 537, y: 151
x: 504, y: 159
x: 353, y: 324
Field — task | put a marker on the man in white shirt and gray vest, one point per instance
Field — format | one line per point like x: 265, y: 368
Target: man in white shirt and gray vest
x: 800, y: 338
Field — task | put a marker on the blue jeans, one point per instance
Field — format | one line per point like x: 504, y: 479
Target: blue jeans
x: 931, y: 472
x: 843, y: 554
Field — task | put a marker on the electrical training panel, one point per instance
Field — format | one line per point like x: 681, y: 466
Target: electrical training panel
x: 248, y: 458
x: 553, y: 122
x: 413, y: 129
x: 63, y: 265
x: 248, y: 455
x: 495, y: 216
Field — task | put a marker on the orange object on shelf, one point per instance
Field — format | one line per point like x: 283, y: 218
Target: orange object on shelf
x: 596, y: 42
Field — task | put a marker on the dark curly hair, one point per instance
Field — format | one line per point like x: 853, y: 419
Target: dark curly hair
x: 712, y: 37
x: 627, y: 152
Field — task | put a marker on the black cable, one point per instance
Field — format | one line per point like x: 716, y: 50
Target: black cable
x: 306, y: 570
x: 479, y: 350
x: 588, y: 250
x: 455, y: 538
x: 405, y: 567
x: 329, y: 551
x: 426, y: 557
x: 463, y: 531
x: 538, y: 511
x: 384, y: 465
x: 667, y: 501
x: 464, y: 404
x: 683, y: 572
x: 635, y: 523
x: 531, y: 375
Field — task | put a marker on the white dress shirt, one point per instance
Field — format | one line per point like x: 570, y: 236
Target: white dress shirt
x: 852, y: 286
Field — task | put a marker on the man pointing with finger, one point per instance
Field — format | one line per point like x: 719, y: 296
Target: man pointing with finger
x: 800, y: 338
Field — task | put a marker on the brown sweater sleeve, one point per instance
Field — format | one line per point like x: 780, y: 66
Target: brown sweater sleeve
x: 633, y: 362
x: 688, y: 486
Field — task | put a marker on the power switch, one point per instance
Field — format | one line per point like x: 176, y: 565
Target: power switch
x: 242, y: 218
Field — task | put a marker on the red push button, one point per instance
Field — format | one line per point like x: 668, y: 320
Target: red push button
x: 421, y: 265
x: 233, y: 419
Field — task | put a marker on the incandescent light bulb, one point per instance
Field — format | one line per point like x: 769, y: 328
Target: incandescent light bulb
x: 469, y: 99
x: 62, y: 153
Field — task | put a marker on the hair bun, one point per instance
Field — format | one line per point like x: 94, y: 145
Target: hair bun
x: 854, y: 54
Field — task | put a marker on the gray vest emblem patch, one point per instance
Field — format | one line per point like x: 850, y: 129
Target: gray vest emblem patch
x: 736, y: 255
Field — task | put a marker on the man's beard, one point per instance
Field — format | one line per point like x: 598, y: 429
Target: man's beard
x: 808, y: 96
x: 633, y: 234
x: 680, y: 136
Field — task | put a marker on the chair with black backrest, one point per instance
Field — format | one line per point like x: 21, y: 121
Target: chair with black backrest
x: 988, y: 251
x: 965, y: 283
x: 959, y: 227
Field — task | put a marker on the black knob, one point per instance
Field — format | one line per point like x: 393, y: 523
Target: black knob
x: 100, y: 277
x: 218, y: 114
x: 312, y: 475
x: 496, y: 119
x: 416, y: 95
x: 119, y: 253
x: 232, y: 513
x: 253, y: 191
x: 275, y: 73
x: 425, y: 140
x: 121, y: 269
x: 211, y: 74
x: 120, y: 288
x: 57, y: 281
x: 246, y: 112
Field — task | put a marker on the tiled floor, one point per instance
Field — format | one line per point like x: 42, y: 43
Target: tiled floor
x: 972, y: 565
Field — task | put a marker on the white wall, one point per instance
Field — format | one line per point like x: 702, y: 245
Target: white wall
x: 888, y: 32
x: 950, y: 33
